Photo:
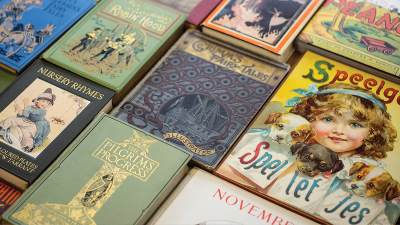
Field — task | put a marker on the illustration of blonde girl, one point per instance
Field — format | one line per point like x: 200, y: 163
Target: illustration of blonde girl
x: 353, y: 123
x: 349, y: 120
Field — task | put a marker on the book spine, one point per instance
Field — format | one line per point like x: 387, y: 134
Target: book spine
x: 350, y: 53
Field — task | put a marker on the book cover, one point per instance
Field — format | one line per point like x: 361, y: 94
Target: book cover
x: 6, y: 79
x: 124, y: 175
x: 367, y: 31
x: 200, y: 12
x: 8, y: 195
x: 40, y: 114
x: 226, y: 204
x: 326, y: 144
x: 201, y: 96
x: 269, y: 24
x: 116, y: 40
x: 28, y: 27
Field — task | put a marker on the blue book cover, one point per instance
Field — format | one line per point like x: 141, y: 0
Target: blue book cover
x: 201, y: 96
x: 27, y: 27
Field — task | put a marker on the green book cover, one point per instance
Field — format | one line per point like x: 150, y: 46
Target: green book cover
x: 6, y: 79
x: 112, y: 43
x: 112, y: 173
x: 366, y: 31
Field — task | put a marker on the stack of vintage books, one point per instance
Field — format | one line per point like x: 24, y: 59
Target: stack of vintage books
x: 206, y: 112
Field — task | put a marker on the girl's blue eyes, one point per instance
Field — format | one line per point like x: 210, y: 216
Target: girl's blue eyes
x: 327, y: 119
x: 356, y: 125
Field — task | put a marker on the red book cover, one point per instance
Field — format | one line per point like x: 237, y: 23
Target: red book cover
x: 8, y: 195
x: 201, y: 11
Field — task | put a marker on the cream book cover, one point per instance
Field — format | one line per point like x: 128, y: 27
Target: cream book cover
x: 204, y: 199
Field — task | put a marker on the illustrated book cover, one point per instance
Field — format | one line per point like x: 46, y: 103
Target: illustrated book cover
x: 201, y: 96
x: 8, y: 195
x: 117, y: 42
x: 28, y: 27
x: 326, y: 145
x: 266, y: 27
x: 366, y: 31
x: 226, y: 204
x: 6, y: 79
x: 196, y: 10
x: 40, y: 114
x: 113, y: 173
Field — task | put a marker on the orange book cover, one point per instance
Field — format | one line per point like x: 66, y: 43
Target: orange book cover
x: 269, y: 24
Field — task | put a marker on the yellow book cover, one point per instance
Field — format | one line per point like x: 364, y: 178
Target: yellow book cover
x: 326, y: 145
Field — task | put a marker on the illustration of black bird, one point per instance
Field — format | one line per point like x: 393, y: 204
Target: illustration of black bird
x: 97, y: 190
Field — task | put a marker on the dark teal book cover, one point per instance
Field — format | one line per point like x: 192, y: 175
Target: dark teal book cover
x: 201, y: 96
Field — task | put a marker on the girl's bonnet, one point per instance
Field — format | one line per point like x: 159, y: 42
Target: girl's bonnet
x: 313, y: 90
x: 47, y: 95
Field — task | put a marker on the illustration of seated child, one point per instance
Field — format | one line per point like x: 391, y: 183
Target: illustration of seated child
x: 29, y: 128
x: 353, y: 123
